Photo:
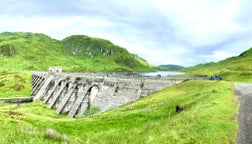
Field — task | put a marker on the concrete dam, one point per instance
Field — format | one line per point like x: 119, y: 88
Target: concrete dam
x: 75, y: 93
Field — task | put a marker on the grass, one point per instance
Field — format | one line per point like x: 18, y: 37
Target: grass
x: 14, y: 84
x: 209, y: 116
x: 226, y: 74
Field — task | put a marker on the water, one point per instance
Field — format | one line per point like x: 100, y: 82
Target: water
x: 162, y: 73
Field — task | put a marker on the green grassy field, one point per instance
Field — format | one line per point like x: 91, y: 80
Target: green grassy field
x: 209, y: 116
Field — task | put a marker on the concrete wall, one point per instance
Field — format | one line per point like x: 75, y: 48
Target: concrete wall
x: 76, y: 93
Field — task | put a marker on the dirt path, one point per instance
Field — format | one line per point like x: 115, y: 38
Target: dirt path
x: 244, y: 90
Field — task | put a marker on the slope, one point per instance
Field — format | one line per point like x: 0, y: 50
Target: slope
x: 238, y: 68
x: 103, y: 51
x: 208, y: 116
x: 32, y: 51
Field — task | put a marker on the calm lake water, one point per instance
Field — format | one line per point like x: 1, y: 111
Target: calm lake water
x: 162, y: 73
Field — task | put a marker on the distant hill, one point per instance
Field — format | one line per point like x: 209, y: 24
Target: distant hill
x: 238, y: 68
x: 172, y: 67
x: 32, y: 51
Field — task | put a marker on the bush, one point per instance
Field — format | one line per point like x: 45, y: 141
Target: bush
x: 2, y: 84
x: 7, y: 50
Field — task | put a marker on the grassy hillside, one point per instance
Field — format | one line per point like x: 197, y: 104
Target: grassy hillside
x: 237, y: 68
x: 14, y: 84
x: 103, y: 51
x: 31, y: 51
x: 172, y: 67
x: 209, y: 116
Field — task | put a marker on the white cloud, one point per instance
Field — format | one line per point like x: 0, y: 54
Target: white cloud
x: 201, y: 22
x: 161, y: 31
x: 65, y: 26
x: 217, y: 55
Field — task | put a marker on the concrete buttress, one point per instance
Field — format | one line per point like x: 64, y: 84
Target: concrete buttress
x: 76, y: 93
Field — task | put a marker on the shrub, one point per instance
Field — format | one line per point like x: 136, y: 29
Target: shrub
x: 2, y: 84
x: 7, y: 50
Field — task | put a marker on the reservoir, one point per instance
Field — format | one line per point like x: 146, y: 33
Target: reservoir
x: 161, y: 73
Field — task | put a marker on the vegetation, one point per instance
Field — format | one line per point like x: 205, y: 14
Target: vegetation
x: 208, y: 116
x: 232, y: 69
x: 14, y: 84
x: 31, y: 51
x: 172, y: 67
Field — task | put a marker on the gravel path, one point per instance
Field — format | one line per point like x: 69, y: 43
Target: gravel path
x: 244, y: 90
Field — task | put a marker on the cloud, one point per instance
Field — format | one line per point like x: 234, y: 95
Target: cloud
x: 195, y: 20
x: 160, y: 31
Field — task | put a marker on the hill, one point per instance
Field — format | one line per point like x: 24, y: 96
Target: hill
x: 172, y: 67
x: 238, y: 68
x: 32, y: 51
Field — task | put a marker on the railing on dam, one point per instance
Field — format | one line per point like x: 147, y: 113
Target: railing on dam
x: 118, y: 75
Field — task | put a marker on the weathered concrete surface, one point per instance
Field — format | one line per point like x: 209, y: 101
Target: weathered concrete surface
x: 75, y: 93
x: 244, y: 90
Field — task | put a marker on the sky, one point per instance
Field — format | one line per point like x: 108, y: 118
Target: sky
x: 182, y: 32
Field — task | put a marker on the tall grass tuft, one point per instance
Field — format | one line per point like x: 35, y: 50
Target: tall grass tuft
x: 54, y: 135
